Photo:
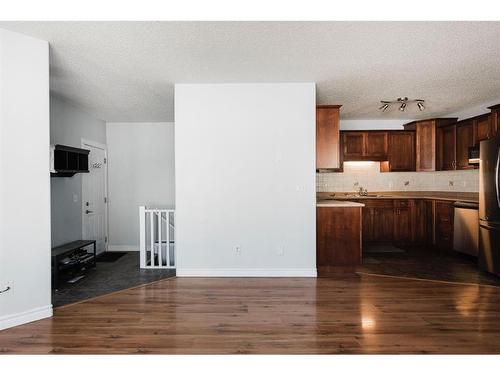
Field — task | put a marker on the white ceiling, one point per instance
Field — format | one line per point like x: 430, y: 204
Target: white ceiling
x: 126, y: 71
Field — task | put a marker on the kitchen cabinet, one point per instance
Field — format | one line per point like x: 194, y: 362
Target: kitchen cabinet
x: 378, y: 220
x: 446, y: 148
x: 376, y: 144
x: 443, y: 224
x: 401, y: 152
x: 364, y: 145
x: 465, y: 139
x: 407, y: 222
x: 328, y: 137
x: 354, y: 145
x: 426, y: 142
x: 495, y: 120
x: 483, y: 127
x: 338, y: 238
x: 402, y: 221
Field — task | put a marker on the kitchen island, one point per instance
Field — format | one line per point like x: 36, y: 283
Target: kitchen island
x: 338, y: 236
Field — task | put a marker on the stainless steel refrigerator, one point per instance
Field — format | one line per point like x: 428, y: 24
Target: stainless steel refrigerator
x: 489, y: 206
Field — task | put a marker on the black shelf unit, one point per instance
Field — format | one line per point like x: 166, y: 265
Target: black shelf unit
x: 69, y: 160
x: 79, y: 259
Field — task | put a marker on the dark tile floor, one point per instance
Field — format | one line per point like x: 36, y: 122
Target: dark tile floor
x: 106, y: 278
x: 423, y: 263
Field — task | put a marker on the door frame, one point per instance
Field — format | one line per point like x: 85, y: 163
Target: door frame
x: 102, y: 146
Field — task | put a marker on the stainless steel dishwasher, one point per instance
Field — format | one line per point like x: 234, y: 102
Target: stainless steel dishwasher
x: 466, y: 228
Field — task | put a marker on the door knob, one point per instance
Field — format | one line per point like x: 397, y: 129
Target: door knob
x: 88, y: 212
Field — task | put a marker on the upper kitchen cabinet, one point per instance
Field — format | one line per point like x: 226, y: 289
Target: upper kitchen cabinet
x: 465, y: 138
x: 426, y: 141
x: 354, y: 145
x: 446, y: 150
x: 401, y: 152
x: 483, y: 127
x: 495, y: 119
x: 364, y: 145
x: 328, y: 137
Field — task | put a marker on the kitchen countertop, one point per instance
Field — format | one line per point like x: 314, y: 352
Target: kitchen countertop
x: 436, y: 195
x: 337, y: 203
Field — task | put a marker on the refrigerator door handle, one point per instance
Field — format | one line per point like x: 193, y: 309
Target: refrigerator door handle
x: 497, y: 177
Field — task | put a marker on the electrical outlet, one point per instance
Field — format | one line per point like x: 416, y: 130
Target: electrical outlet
x: 75, y: 198
x: 237, y: 250
x: 281, y: 251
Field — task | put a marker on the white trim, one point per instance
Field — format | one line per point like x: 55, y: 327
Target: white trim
x: 102, y: 146
x: 246, y: 272
x: 25, y: 317
x: 122, y: 248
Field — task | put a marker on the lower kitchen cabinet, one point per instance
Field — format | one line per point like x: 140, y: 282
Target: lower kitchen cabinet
x: 443, y: 224
x: 378, y: 220
x: 402, y: 222
x: 338, y: 238
x: 407, y: 222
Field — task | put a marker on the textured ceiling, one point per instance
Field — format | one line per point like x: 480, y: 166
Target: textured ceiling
x: 126, y: 71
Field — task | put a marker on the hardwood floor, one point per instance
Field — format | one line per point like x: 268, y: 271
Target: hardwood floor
x: 344, y: 314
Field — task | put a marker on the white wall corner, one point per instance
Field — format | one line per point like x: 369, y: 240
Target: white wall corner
x: 26, y: 317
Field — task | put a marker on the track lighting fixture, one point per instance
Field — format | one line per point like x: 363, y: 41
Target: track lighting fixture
x: 402, y: 102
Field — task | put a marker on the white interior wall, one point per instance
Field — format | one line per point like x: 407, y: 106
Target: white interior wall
x: 140, y: 172
x: 24, y: 179
x: 68, y: 125
x: 245, y: 167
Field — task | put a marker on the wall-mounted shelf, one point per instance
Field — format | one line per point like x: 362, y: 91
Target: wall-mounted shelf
x: 65, y: 161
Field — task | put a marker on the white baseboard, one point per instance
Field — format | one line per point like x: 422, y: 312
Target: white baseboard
x: 123, y: 248
x: 25, y: 317
x: 246, y: 272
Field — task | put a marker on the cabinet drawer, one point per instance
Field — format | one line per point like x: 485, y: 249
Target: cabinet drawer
x: 384, y: 203
x: 402, y: 203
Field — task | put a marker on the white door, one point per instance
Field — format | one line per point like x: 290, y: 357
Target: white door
x: 94, y: 220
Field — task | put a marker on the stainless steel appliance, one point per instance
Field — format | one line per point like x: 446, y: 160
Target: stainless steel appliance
x: 466, y: 228
x: 489, y: 206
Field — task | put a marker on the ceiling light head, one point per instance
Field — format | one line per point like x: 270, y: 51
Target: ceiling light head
x: 420, y: 106
x: 402, y: 107
x: 384, y: 107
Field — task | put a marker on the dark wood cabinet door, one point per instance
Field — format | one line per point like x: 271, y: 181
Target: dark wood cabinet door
x: 402, y: 225
x: 354, y: 145
x: 483, y: 128
x: 376, y: 145
x: 495, y: 120
x: 447, y: 148
x: 401, y: 151
x: 443, y: 224
x: 327, y: 137
x: 465, y: 139
x: 383, y: 224
x: 367, y: 220
x: 425, y: 146
x: 338, y: 236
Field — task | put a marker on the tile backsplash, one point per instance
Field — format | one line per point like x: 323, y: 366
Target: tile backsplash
x: 368, y: 176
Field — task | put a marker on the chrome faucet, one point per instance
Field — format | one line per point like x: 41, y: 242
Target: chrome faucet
x: 363, y: 192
